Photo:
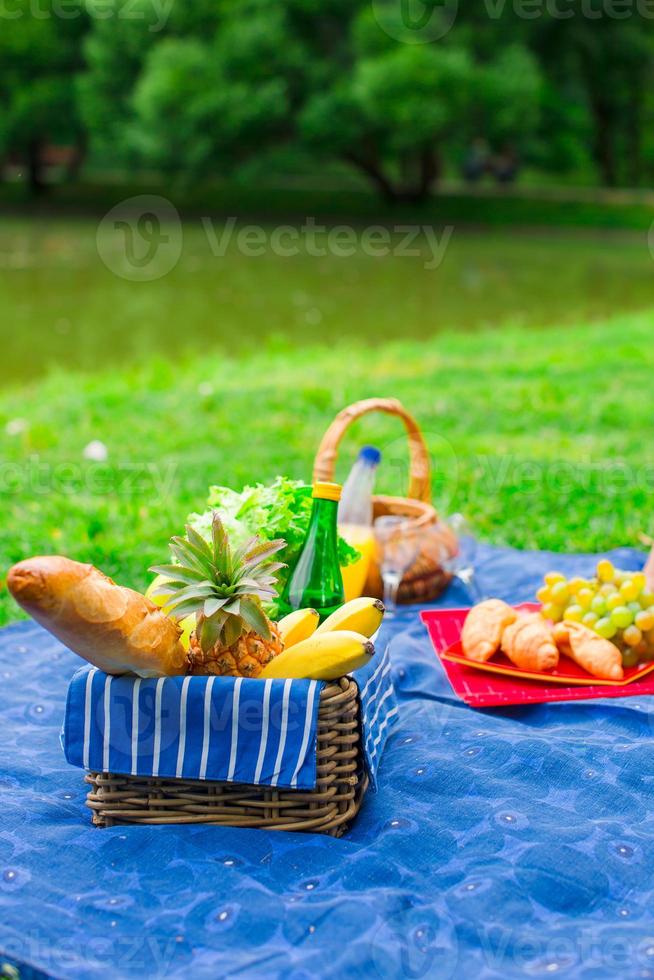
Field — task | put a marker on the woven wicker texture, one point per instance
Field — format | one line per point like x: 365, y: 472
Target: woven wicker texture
x: 328, y: 809
x: 426, y: 579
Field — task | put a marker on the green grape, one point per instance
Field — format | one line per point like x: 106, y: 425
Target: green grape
x: 598, y: 605
x: 605, y: 570
x: 647, y: 600
x: 552, y: 578
x: 544, y: 595
x: 584, y: 597
x: 573, y: 614
x: 608, y: 589
x: 560, y: 593
x: 606, y: 628
x: 613, y: 601
x: 632, y: 636
x: 629, y: 590
x: 551, y: 611
x: 635, y: 607
x: 639, y: 579
x: 590, y: 620
x: 576, y: 583
x: 629, y: 658
x: 622, y: 617
x: 645, y: 619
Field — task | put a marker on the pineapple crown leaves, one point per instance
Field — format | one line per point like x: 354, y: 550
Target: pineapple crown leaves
x: 223, y: 586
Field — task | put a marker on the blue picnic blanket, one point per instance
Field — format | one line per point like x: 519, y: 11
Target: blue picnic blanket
x: 512, y: 842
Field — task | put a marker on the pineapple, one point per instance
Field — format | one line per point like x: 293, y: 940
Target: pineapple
x: 224, y: 588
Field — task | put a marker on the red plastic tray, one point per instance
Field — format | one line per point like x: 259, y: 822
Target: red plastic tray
x: 481, y: 689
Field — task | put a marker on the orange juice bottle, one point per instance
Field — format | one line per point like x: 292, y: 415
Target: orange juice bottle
x: 355, y: 575
x: 355, y: 519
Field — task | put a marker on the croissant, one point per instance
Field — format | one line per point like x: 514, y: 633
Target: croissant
x: 528, y: 644
x: 114, y: 628
x: 598, y: 656
x: 482, y: 631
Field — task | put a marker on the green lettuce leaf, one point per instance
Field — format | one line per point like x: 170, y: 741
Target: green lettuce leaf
x: 280, y: 510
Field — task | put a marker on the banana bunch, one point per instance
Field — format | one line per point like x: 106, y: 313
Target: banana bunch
x: 338, y: 646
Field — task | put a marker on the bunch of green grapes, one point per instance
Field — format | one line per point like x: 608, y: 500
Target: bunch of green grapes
x: 615, y: 604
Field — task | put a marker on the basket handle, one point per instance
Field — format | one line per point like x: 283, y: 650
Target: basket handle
x: 419, y: 471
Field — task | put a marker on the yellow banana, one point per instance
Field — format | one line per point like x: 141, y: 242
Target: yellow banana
x: 298, y: 626
x: 322, y: 657
x: 159, y: 600
x: 362, y: 615
x: 187, y: 625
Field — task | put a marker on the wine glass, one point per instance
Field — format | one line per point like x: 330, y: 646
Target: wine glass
x: 462, y: 564
x: 398, y: 547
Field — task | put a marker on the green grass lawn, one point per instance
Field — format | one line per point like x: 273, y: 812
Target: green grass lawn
x: 542, y: 437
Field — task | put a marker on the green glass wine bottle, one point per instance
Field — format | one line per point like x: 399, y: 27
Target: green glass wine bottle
x: 316, y: 580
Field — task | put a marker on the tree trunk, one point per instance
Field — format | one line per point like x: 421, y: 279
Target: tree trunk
x: 635, y: 136
x: 604, y: 150
x: 426, y: 169
x: 373, y: 171
x: 77, y: 159
x: 34, y: 167
x: 429, y: 173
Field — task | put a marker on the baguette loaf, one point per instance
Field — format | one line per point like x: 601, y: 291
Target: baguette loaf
x: 114, y: 628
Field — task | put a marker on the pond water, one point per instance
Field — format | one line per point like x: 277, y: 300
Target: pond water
x: 65, y: 300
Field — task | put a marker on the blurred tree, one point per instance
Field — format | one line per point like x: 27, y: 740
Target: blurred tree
x: 38, y: 60
x: 200, y: 88
x: 203, y: 106
x: 115, y: 52
x: 610, y: 63
x: 326, y: 75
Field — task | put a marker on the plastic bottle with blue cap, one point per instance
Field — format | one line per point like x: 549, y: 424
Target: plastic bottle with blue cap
x: 355, y: 518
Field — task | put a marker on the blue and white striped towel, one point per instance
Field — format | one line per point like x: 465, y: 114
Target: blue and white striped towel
x: 378, y: 709
x: 228, y: 729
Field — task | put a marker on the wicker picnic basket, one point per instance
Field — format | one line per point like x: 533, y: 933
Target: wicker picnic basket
x: 427, y: 578
x: 328, y: 809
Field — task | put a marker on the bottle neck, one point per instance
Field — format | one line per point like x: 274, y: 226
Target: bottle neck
x: 323, y: 515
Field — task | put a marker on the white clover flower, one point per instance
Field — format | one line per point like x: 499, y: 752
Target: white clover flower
x: 96, y: 451
x: 16, y: 427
